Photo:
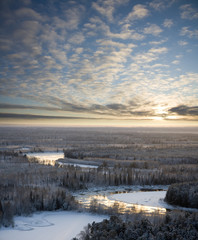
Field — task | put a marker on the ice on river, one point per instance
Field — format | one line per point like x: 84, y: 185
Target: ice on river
x: 152, y: 198
x: 59, y: 225
x: 78, y: 165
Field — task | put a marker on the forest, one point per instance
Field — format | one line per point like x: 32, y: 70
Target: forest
x: 173, y: 226
x: 183, y: 194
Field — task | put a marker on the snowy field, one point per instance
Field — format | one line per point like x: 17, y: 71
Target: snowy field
x: 59, y: 225
x: 151, y: 199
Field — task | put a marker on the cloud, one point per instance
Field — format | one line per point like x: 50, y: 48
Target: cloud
x: 107, y: 7
x: 136, y: 36
x: 153, y: 29
x: 116, y: 106
x: 176, y: 62
x: 79, y: 50
x: 26, y: 33
x: 185, y: 31
x: 115, y: 110
x: 158, y: 42
x: 185, y: 110
x: 119, y: 111
x: 77, y: 38
x: 105, y: 11
x: 182, y: 43
x: 121, y: 35
x: 149, y: 56
x: 17, y: 106
x: 31, y: 116
x: 5, y: 44
x: 97, y: 27
x: 158, y: 50
x: 139, y: 11
x: 73, y: 15
x: 168, y: 23
x: 26, y: 2
x: 110, y: 43
x: 28, y: 13
x: 188, y: 12
x: 160, y: 5
x: 189, y: 78
x: 158, y: 65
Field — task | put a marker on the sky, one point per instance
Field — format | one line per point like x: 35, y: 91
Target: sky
x: 99, y: 63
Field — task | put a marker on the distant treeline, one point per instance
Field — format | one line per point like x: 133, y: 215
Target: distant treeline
x: 131, y: 152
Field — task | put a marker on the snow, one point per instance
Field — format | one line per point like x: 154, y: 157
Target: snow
x: 78, y: 165
x: 59, y: 225
x: 25, y: 149
x: 53, y: 156
x: 151, y: 198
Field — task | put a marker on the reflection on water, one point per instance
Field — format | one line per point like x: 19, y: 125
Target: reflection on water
x: 103, y: 202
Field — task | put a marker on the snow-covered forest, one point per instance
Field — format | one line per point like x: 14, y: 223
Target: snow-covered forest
x: 122, y: 157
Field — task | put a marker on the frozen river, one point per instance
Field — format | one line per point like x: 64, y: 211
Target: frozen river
x: 46, y: 157
x: 52, y: 157
x: 130, y: 199
x: 60, y: 225
x: 126, y: 201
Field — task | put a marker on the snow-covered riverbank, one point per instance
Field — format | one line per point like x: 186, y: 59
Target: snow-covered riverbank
x: 59, y: 225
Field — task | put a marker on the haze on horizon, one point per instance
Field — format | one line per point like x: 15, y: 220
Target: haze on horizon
x: 99, y: 63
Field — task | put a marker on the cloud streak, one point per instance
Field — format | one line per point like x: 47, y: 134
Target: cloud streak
x: 15, y: 106
x: 185, y: 110
x: 33, y: 117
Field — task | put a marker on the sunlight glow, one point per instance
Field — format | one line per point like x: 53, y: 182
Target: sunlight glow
x: 160, y: 110
x: 173, y: 117
x: 95, y: 201
x: 157, y: 118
